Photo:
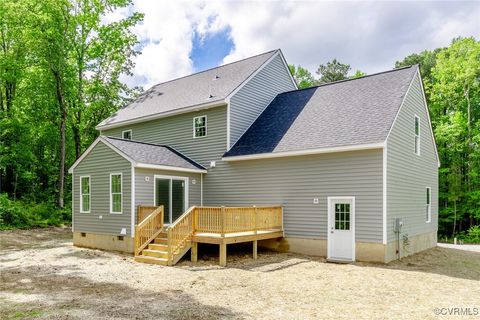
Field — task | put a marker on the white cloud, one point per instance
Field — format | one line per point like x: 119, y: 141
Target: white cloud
x: 370, y: 36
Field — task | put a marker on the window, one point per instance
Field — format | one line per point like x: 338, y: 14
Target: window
x: 200, y: 126
x: 417, y: 135
x: 127, y: 134
x: 342, y: 216
x: 85, y: 194
x: 115, y: 193
x: 428, y: 206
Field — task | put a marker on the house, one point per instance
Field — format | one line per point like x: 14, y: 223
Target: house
x: 346, y: 170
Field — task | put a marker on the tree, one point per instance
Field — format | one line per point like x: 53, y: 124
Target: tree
x: 302, y: 76
x: 358, y: 74
x: 332, y: 71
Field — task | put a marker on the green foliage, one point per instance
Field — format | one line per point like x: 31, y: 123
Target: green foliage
x: 472, y: 235
x: 302, y: 76
x: 332, y: 71
x: 26, y: 214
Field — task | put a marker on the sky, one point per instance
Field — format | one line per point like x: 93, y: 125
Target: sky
x: 178, y: 38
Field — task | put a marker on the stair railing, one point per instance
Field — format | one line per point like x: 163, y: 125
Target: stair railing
x: 180, y: 232
x: 148, y: 229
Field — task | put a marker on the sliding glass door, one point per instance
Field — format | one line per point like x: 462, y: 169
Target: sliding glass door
x: 171, y: 193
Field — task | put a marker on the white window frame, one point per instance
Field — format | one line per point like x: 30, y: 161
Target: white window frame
x: 206, y: 127
x: 131, y: 134
x: 186, y: 180
x: 121, y: 192
x: 416, y: 139
x: 89, y: 194
x: 428, y: 205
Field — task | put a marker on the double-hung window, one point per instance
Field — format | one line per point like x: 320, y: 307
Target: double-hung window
x: 428, y: 205
x: 127, y: 134
x: 116, y: 193
x: 200, y: 127
x: 85, y: 194
x: 417, y: 135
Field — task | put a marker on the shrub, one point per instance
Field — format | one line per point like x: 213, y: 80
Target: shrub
x: 472, y: 235
x: 27, y: 214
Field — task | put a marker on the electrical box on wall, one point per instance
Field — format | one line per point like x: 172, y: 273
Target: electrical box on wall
x: 397, y: 225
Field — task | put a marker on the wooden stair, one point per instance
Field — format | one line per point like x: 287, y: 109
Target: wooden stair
x: 157, y: 251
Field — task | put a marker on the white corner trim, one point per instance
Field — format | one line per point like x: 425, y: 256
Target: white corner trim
x: 132, y: 201
x: 379, y: 145
x: 384, y: 202
x: 201, y: 189
x: 188, y: 109
x: 288, y: 70
x: 169, y: 168
x: 228, y: 124
x: 252, y: 75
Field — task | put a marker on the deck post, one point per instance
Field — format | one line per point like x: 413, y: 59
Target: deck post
x: 194, y: 252
x: 223, y: 254
x: 169, y: 242
x: 256, y: 219
x: 255, y: 249
x: 222, y: 222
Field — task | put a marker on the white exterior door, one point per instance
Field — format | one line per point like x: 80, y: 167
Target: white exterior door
x: 341, y: 229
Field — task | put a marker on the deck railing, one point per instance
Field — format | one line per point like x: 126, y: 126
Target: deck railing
x: 148, y: 229
x: 143, y: 211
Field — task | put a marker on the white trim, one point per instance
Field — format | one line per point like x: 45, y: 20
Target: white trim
x: 352, y: 222
x: 252, y: 75
x: 73, y: 202
x: 415, y: 149
x: 89, y: 194
x: 121, y: 192
x: 288, y: 69
x: 186, y: 181
x: 228, y: 124
x: 368, y: 146
x: 429, y: 204
x: 384, y: 202
x: 131, y: 134
x: 201, y: 189
x: 132, y: 201
x: 197, y: 107
x: 170, y: 168
x: 206, y: 127
x: 428, y: 117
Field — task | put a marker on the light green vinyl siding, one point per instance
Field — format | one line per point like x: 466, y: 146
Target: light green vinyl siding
x: 144, y: 190
x: 408, y: 174
x: 247, y: 104
x: 98, y: 164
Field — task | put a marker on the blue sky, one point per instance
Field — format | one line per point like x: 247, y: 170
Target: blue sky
x: 182, y: 37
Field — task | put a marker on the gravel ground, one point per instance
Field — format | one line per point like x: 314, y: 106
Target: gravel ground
x: 44, y: 277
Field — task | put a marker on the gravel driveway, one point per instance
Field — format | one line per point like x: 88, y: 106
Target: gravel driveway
x: 43, y: 276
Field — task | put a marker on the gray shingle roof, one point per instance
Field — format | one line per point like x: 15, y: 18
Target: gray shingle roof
x: 191, y: 90
x: 344, y: 113
x: 153, y: 154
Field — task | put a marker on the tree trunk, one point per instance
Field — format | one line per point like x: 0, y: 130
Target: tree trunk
x: 76, y: 135
x: 454, y: 217
x: 63, y: 120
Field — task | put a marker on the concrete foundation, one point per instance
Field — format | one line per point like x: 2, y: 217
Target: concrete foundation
x: 104, y: 242
x: 364, y: 251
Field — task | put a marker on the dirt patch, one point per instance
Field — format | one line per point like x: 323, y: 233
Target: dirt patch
x: 44, y: 276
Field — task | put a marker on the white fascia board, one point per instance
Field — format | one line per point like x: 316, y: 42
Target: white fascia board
x: 99, y: 139
x: 169, y: 168
x: 357, y: 147
x: 197, y: 107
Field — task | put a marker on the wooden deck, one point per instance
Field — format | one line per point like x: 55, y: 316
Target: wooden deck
x: 155, y: 243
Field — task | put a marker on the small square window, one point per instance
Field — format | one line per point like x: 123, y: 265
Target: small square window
x: 127, y: 134
x: 200, y: 127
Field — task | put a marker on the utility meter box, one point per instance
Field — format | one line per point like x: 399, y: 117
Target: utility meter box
x: 397, y: 225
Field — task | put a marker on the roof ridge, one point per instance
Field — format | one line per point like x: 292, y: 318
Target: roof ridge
x: 210, y: 69
x: 163, y: 146
x: 350, y: 79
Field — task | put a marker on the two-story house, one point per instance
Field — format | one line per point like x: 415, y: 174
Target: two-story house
x: 353, y: 164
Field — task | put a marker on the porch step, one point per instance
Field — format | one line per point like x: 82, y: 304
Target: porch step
x: 161, y: 241
x: 151, y: 260
x: 162, y: 234
x: 155, y: 253
x: 161, y: 247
